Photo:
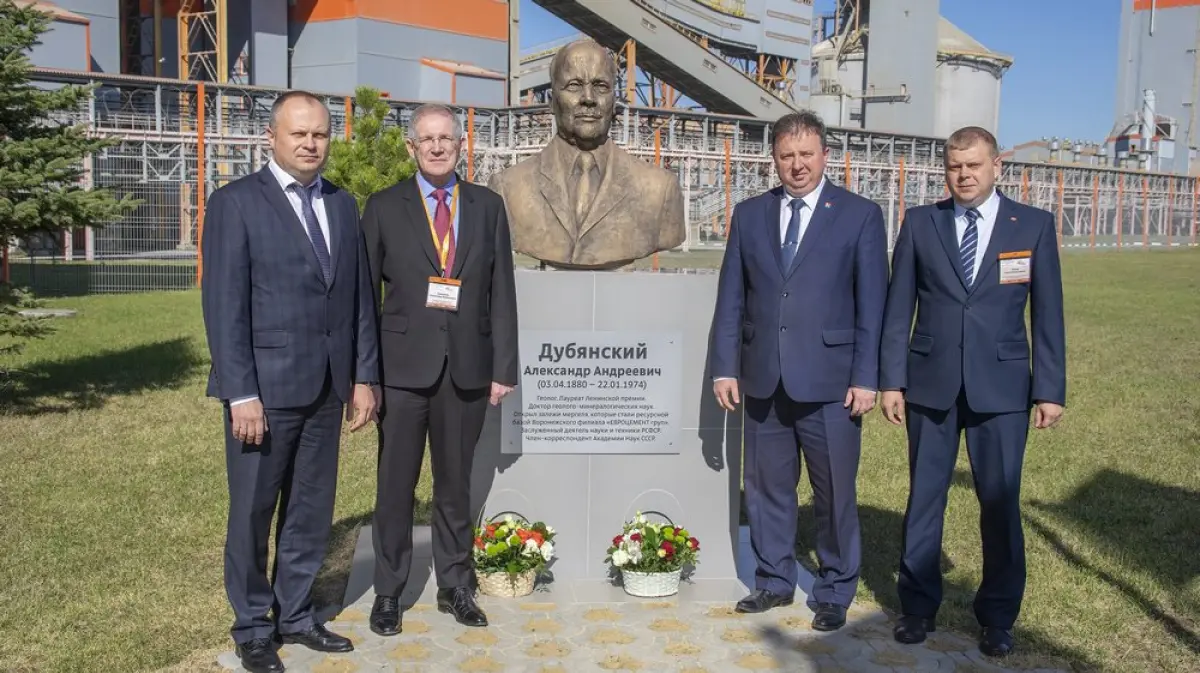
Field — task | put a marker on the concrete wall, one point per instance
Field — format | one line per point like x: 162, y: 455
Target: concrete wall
x: 337, y: 56
x: 64, y: 46
x: 902, y: 50
x: 1160, y: 61
x: 477, y: 91
x: 965, y: 96
x: 105, y: 18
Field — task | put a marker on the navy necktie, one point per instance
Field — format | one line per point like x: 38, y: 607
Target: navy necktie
x: 791, y: 239
x: 313, y: 226
x: 970, y: 241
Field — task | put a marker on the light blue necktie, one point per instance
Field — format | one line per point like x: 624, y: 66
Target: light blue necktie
x: 791, y: 239
x: 313, y: 226
x: 966, y: 250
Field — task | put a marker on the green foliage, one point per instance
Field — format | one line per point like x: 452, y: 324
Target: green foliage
x: 41, y: 160
x: 16, y: 328
x: 376, y: 157
x: 649, y: 547
x: 513, y: 546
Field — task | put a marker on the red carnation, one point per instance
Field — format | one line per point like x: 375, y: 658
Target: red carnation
x: 668, y: 547
x: 636, y: 537
x: 617, y: 541
x: 693, y: 543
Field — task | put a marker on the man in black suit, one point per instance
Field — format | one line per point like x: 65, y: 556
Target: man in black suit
x: 290, y: 319
x: 448, y: 343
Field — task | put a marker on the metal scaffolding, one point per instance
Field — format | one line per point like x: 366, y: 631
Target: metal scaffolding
x: 173, y: 152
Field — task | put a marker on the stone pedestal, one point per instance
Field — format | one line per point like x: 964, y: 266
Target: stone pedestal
x: 615, y: 414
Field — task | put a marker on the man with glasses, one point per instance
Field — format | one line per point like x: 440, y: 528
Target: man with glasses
x: 448, y: 344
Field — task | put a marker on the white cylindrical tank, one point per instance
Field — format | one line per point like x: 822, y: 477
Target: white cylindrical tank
x: 967, y: 95
x: 836, y: 86
x: 966, y: 81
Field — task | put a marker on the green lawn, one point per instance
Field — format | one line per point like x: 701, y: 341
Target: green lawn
x: 113, y: 487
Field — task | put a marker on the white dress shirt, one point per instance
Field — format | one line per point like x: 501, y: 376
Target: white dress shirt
x: 983, y: 226
x: 806, y: 211
x: 318, y: 205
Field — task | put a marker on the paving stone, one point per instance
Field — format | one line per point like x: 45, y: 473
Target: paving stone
x: 545, y: 634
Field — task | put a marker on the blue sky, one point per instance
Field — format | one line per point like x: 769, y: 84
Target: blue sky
x: 1063, y: 76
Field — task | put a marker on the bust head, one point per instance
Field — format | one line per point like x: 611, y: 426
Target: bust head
x: 583, y: 78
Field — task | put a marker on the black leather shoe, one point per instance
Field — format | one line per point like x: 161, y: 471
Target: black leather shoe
x: 911, y: 629
x: 996, y: 642
x: 385, y: 616
x: 318, y: 638
x: 763, y: 600
x: 829, y: 617
x: 460, y: 602
x: 259, y: 656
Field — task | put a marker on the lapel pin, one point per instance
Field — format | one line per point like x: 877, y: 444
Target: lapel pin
x: 1013, y: 218
x: 828, y: 204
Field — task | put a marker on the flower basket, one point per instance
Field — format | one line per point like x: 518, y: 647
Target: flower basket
x: 651, y: 556
x: 651, y: 585
x: 504, y: 585
x: 510, y: 553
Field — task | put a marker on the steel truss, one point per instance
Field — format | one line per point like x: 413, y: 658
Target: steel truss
x: 175, y: 152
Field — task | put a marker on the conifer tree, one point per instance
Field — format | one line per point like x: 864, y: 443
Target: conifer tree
x: 41, y: 161
x: 375, y: 158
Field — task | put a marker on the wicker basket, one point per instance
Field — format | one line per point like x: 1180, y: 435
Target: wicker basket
x: 650, y: 585
x: 507, y: 586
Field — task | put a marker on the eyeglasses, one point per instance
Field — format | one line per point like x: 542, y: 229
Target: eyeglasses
x: 428, y: 141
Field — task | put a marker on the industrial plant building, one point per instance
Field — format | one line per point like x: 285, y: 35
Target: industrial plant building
x: 890, y: 67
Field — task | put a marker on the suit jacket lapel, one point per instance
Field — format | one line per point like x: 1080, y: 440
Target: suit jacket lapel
x: 418, y: 218
x: 1004, y: 227
x: 819, y: 224
x: 333, y: 214
x: 771, y: 232
x: 945, y: 229
x: 614, y: 187
x: 296, y: 231
x: 551, y: 182
x: 467, y: 229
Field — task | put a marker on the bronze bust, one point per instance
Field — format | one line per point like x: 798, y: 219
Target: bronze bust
x: 583, y: 202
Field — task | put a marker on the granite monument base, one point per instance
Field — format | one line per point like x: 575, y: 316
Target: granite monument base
x: 615, y: 415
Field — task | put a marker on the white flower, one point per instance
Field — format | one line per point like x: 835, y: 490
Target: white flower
x: 508, y: 519
x: 550, y: 530
x: 547, y: 550
x: 620, y: 557
x: 530, y: 548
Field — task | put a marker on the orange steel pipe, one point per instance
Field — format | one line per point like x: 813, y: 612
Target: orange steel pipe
x: 1095, y: 209
x: 470, y: 144
x: 728, y: 187
x: 199, y: 182
x: 349, y: 118
x: 1025, y: 185
x: 1061, y: 189
x: 1145, y: 212
x: 847, y: 162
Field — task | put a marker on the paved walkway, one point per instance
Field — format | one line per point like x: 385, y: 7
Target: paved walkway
x: 552, y: 631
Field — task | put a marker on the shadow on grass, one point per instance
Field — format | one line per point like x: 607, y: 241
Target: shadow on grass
x: 329, y: 587
x: 1151, y: 526
x: 881, y: 545
x: 87, y: 382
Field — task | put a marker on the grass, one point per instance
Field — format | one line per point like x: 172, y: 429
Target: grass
x: 114, y: 487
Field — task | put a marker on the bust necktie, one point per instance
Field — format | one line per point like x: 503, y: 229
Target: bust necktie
x: 586, y: 186
x: 313, y: 226
x: 970, y: 241
x: 791, y: 239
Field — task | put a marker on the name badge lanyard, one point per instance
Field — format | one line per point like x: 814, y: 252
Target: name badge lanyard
x: 443, y: 246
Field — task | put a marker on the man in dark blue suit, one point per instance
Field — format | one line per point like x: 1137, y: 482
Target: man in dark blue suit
x: 968, y: 266
x: 290, y: 319
x: 796, y: 331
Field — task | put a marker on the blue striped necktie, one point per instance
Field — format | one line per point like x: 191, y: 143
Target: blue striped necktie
x: 791, y: 238
x: 313, y: 227
x: 970, y: 241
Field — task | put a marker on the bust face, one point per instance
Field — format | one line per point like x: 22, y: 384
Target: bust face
x: 584, y: 95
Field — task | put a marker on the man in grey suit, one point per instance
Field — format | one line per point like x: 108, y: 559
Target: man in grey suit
x: 290, y: 319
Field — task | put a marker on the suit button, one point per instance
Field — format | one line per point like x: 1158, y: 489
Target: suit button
x: 328, y: 333
x: 783, y: 329
x: 785, y: 294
